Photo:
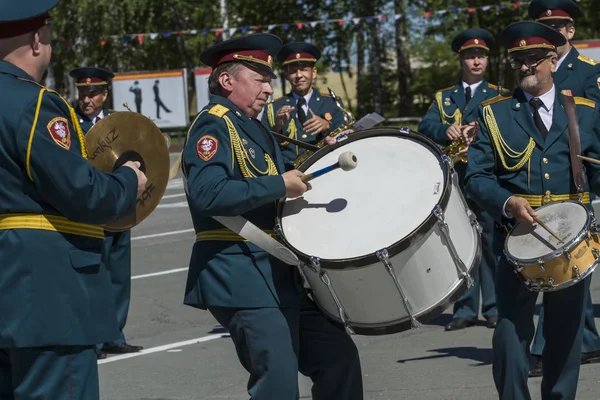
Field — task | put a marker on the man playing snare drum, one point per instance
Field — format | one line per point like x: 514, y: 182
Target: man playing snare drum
x: 520, y: 160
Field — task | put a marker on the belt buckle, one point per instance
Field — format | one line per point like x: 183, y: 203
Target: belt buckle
x: 547, y: 197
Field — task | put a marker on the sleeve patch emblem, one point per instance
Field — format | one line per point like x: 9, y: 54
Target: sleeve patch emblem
x: 207, y: 147
x: 328, y: 116
x: 58, y: 128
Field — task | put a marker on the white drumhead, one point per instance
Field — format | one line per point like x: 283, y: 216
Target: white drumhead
x: 394, y: 188
x: 566, y: 219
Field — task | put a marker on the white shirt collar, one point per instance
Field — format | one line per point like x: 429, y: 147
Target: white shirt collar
x: 98, y: 117
x: 306, y: 97
x: 473, y: 86
x: 547, y: 98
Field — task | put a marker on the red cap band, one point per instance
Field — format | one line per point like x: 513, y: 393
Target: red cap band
x: 474, y: 43
x: 255, y: 56
x: 17, y: 28
x: 532, y: 42
x: 554, y: 14
x: 297, y: 57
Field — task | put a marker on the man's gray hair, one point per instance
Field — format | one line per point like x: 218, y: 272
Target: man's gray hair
x: 214, y: 86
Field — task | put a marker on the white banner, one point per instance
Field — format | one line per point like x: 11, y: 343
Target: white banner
x: 160, y: 96
x: 201, y: 81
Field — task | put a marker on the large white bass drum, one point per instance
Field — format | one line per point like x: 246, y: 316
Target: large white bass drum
x: 388, y: 245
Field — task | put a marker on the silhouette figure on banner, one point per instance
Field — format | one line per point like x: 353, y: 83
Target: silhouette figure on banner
x: 137, y: 91
x: 157, y: 100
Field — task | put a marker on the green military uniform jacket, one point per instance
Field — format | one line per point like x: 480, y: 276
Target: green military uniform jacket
x: 321, y: 104
x: 449, y: 108
x: 580, y: 75
x: 54, y: 290
x: 510, y: 156
x: 233, y: 166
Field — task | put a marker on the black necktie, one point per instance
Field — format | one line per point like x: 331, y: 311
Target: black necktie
x: 300, y: 111
x: 535, y: 104
x: 468, y: 93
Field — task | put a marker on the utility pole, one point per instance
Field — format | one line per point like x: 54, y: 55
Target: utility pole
x: 225, y: 20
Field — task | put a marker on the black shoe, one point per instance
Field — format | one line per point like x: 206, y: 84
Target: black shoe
x: 458, y: 324
x: 100, y: 355
x: 590, y: 358
x: 122, y: 349
x: 536, y: 370
x: 492, y: 322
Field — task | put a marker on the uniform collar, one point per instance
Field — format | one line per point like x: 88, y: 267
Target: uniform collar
x: 216, y: 99
x: 8, y: 68
x: 564, y: 57
x: 306, y: 97
x: 474, y: 86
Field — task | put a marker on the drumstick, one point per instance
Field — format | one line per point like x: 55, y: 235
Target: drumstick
x: 590, y: 159
x: 346, y: 161
x: 547, y: 228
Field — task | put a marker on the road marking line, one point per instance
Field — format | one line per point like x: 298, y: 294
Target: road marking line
x: 167, y: 272
x: 170, y: 196
x: 155, y: 235
x: 165, y: 347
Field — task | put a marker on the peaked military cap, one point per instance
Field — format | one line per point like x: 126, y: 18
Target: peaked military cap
x: 91, y: 76
x: 257, y: 49
x: 554, y: 10
x: 20, y: 17
x: 471, y: 39
x: 298, y: 52
x: 529, y: 35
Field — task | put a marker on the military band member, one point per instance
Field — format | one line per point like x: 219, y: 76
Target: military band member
x: 55, y: 297
x: 305, y: 113
x: 92, y: 88
x: 580, y: 75
x: 234, y: 167
x: 450, y: 117
x: 519, y: 160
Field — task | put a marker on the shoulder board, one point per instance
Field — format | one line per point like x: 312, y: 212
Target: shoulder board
x: 445, y: 89
x: 494, y: 100
x: 495, y: 87
x: 325, y: 94
x: 582, y: 101
x: 218, y: 110
x: 587, y: 60
x: 277, y: 99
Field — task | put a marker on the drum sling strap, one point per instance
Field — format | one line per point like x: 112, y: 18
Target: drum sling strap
x: 574, y: 144
x: 254, y: 234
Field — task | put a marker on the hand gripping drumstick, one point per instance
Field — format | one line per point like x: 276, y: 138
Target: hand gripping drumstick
x: 346, y: 161
x: 550, y: 231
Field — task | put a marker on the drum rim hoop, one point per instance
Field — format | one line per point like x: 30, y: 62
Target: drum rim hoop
x: 417, y: 234
x: 558, y: 252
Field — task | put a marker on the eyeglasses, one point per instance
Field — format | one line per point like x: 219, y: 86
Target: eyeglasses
x: 516, y: 63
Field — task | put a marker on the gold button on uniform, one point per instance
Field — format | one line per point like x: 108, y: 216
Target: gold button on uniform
x: 547, y: 175
x: 545, y: 160
x: 304, y: 136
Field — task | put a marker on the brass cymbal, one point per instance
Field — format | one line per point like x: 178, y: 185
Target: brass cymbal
x: 128, y: 136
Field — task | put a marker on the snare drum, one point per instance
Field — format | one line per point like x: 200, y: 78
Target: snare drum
x: 388, y: 245
x: 544, y: 263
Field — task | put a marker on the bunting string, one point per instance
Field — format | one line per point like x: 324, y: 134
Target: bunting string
x: 141, y: 38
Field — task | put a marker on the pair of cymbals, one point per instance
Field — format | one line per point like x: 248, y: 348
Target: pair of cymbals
x: 128, y: 136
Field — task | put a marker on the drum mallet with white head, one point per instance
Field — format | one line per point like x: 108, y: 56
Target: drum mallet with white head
x: 347, y: 161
